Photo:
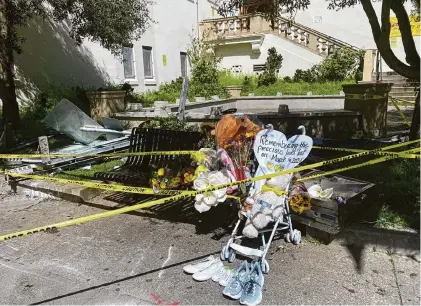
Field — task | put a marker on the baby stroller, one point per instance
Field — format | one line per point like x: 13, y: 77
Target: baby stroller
x: 282, y: 224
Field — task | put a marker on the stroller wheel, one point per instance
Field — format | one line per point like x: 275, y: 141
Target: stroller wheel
x: 288, y: 238
x: 224, y: 253
x: 265, y: 266
x: 231, y: 256
x: 296, y: 237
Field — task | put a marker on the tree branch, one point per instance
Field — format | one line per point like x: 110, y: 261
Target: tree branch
x: 412, y: 56
x: 381, y: 38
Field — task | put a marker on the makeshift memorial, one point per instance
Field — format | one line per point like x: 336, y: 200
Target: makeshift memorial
x: 267, y: 203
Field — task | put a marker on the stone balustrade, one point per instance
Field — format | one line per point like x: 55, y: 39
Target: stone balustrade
x: 225, y: 28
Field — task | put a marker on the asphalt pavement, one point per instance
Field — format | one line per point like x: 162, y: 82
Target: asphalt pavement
x: 136, y: 259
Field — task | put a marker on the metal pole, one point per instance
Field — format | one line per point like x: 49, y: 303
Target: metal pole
x: 183, y: 99
x: 197, y: 18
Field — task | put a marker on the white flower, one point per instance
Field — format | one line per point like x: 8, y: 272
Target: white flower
x: 211, y: 198
x: 317, y: 192
x: 210, y: 157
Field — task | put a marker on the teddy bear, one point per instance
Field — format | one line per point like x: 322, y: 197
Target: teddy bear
x: 265, y: 206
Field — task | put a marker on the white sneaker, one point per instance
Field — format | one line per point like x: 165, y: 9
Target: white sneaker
x: 225, y: 278
x: 216, y: 277
x: 208, y: 272
x: 193, y: 268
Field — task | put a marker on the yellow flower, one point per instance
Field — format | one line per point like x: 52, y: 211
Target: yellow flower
x: 200, y: 169
x: 198, y: 156
x: 175, y: 180
x: 189, y: 178
x: 163, y: 185
x: 161, y: 172
x: 154, y: 181
x: 248, y: 135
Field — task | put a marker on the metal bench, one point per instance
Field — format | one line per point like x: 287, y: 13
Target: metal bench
x: 136, y: 169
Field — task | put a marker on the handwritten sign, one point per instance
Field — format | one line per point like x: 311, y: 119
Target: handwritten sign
x: 275, y: 152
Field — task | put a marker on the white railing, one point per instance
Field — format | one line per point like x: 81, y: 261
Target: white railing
x: 308, y: 38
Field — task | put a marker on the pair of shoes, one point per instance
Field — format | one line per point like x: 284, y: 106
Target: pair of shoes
x: 223, y: 276
x: 246, y: 284
x: 252, y: 293
x: 204, y: 270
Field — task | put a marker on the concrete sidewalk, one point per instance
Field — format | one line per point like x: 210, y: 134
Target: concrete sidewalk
x: 131, y: 259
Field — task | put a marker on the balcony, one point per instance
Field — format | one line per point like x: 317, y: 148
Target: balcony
x: 252, y: 28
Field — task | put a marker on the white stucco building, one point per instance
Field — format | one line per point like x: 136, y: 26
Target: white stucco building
x: 50, y: 56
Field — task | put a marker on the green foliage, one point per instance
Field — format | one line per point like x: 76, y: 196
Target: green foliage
x: 171, y: 123
x: 227, y: 78
x: 309, y: 76
x: 111, y: 23
x: 342, y: 64
x: 287, y: 79
x: 46, y: 100
x: 273, y: 63
x: 396, y: 196
x: 204, y: 80
x: 286, y: 85
x: 247, y: 84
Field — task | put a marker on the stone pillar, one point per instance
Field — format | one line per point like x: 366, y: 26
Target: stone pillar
x: 371, y: 100
x: 368, y: 68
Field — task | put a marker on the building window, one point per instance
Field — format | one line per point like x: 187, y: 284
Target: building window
x: 128, y: 63
x: 147, y: 62
x: 183, y: 60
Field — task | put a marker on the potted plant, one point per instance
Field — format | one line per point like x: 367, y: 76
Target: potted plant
x: 109, y: 100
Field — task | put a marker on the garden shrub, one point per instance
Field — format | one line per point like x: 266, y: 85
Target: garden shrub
x: 204, y: 79
x: 272, y: 65
x: 46, y: 100
x: 171, y: 123
x: 341, y: 65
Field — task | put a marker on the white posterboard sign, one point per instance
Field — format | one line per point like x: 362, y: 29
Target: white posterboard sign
x: 275, y: 152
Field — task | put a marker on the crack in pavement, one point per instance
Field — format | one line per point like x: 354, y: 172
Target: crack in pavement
x: 396, y: 277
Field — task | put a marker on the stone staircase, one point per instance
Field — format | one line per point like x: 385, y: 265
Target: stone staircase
x: 401, y: 88
x: 232, y: 28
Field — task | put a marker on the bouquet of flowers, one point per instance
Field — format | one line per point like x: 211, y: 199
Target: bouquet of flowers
x: 165, y: 178
x: 236, y: 136
x: 299, y: 200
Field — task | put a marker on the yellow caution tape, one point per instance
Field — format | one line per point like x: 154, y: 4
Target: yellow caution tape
x: 401, y: 113
x: 368, y: 163
x: 395, y: 154
x: 6, y: 156
x: 403, y: 102
x: 193, y: 193
x: 163, y: 192
x: 123, y: 210
x: 97, y: 185
x: 364, y: 96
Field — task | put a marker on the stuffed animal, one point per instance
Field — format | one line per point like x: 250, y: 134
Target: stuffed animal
x: 268, y: 205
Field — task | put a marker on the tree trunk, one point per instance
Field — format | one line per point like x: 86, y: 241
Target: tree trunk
x: 414, y: 133
x: 7, y: 83
x: 412, y: 56
x: 381, y: 38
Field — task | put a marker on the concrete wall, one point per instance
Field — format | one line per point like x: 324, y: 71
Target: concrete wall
x: 50, y: 56
x: 350, y: 25
x: 294, y: 57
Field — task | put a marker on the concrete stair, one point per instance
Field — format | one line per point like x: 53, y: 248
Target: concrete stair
x: 402, y: 88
